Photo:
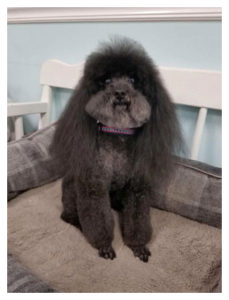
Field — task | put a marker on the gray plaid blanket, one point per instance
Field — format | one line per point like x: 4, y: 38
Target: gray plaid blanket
x: 20, y: 280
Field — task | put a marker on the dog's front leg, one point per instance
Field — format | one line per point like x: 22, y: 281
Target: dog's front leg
x: 96, y: 219
x: 135, y: 220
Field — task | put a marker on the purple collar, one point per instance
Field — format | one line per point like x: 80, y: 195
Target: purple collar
x: 126, y: 131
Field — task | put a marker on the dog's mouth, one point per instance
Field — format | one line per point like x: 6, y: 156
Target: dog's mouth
x: 125, y: 104
x: 121, y: 104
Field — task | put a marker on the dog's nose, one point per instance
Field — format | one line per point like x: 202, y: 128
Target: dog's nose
x: 120, y: 95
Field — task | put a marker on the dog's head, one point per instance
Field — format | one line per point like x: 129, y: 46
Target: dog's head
x: 118, y: 79
x: 120, y: 88
x: 119, y: 104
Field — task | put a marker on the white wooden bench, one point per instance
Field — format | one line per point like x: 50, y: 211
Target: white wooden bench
x: 198, y: 88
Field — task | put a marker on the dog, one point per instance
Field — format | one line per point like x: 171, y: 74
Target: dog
x: 114, y: 142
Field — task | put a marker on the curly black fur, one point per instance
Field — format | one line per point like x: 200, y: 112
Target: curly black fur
x: 120, y: 87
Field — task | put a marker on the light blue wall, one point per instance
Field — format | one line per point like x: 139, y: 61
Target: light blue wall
x: 174, y: 44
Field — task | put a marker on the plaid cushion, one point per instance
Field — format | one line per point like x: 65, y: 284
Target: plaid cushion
x: 20, y: 280
x: 29, y: 163
x: 194, y: 191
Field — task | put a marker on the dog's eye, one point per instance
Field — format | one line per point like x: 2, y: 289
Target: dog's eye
x: 108, y: 80
x: 132, y: 80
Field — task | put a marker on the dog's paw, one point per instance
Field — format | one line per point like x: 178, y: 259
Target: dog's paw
x: 107, y: 252
x: 141, y: 252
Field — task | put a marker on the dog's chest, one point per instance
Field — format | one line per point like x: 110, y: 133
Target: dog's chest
x: 115, y: 163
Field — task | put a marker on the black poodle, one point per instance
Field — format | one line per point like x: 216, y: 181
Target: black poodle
x: 114, y: 141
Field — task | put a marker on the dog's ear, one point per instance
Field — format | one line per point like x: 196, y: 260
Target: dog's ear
x: 165, y: 119
x: 160, y: 137
x: 75, y: 134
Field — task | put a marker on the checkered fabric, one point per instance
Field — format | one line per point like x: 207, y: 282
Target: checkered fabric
x: 29, y: 162
x: 20, y: 280
x: 194, y: 191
